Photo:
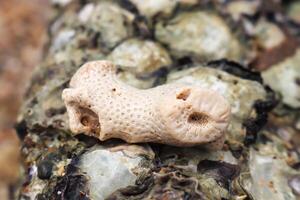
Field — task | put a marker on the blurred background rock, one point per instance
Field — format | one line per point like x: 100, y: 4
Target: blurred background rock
x: 23, y: 28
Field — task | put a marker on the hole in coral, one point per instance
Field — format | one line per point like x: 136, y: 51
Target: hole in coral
x: 198, y: 118
x: 184, y: 95
x: 85, y: 121
x: 90, y: 119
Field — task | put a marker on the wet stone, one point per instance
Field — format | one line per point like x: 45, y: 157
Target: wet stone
x: 45, y: 169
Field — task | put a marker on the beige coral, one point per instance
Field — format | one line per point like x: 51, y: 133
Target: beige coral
x: 100, y: 105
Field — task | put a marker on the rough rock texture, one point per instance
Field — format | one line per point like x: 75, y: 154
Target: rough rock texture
x: 137, y: 60
x: 284, y: 78
x: 113, y: 168
x: 113, y: 22
x: 202, y: 35
x: 152, y: 8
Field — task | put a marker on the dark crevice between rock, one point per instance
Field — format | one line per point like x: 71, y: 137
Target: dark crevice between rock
x: 159, y: 73
x: 236, y: 69
x: 262, y: 108
x: 253, y: 126
x: 160, y: 76
x: 140, y: 22
x: 222, y: 172
x: 237, y: 152
x: 46, y: 165
x: 21, y: 129
x: 88, y: 141
x: 73, y: 185
x: 296, y: 166
x: 126, y: 4
x: 44, y: 169
x: 55, y: 111
x: 168, y: 183
x: 160, y: 159
x: 184, y: 62
x: 142, y: 29
x: 138, y: 191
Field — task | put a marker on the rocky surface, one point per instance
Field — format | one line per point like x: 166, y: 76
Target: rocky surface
x: 190, y: 42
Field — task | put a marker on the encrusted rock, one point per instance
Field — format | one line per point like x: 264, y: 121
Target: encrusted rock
x: 111, y: 168
x: 201, y: 35
x: 239, y: 8
x: 154, y: 7
x: 268, y: 35
x: 138, y: 60
x: 113, y: 23
x: 269, y: 177
x: 284, y: 78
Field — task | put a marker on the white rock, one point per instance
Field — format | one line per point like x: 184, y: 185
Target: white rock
x: 153, y: 7
x: 85, y: 13
x: 284, y: 79
x: 62, y: 39
x: 111, y: 169
x: 202, y: 35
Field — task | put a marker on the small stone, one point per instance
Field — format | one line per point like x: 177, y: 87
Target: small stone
x: 109, y: 169
x: 45, y: 169
x: 113, y: 23
x: 139, y: 60
x: 268, y: 35
x: 239, y: 8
